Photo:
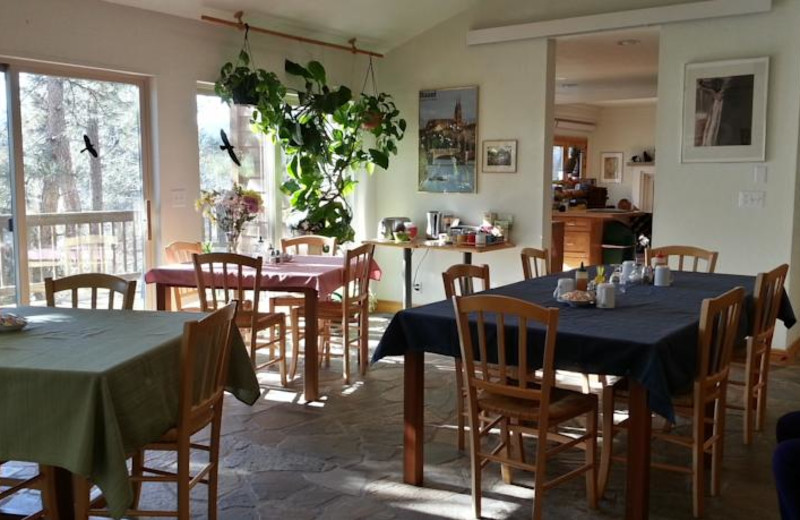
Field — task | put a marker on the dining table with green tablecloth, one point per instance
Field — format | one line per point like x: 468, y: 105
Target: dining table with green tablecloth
x: 82, y: 389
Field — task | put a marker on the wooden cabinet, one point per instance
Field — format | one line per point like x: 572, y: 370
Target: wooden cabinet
x: 583, y: 235
x: 557, y: 247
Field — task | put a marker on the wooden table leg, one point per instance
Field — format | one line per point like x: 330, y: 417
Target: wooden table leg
x: 62, y: 489
x: 163, y: 300
x: 311, y: 367
x: 413, y: 416
x: 638, y: 484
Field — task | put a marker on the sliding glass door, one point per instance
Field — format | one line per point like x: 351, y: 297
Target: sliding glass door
x: 8, y: 262
x: 81, y: 162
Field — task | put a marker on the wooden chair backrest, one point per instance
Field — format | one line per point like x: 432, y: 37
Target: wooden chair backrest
x: 531, y: 258
x: 181, y: 252
x: 224, y: 277
x: 95, y: 283
x: 719, y: 327
x: 689, y: 253
x: 502, y: 328
x: 205, y: 351
x: 459, y: 279
x: 767, y: 298
x: 357, y: 266
x: 314, y: 245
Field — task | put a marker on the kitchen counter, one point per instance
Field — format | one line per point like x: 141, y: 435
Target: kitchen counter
x: 583, y: 233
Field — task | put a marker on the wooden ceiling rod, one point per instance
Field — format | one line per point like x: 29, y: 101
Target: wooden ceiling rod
x: 240, y: 25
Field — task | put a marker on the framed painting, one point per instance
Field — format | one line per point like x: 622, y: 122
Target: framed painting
x: 611, y: 166
x: 448, y: 136
x: 725, y: 111
x: 499, y: 156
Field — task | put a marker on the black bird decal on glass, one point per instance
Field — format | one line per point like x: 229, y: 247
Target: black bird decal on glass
x: 226, y: 145
x: 89, y: 146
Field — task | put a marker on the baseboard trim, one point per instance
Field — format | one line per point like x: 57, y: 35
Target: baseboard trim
x: 786, y: 356
x: 388, y: 306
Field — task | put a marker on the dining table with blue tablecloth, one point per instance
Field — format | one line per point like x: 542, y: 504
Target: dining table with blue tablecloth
x: 649, y: 337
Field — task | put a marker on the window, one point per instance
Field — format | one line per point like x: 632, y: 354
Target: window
x: 569, y: 157
x: 257, y: 155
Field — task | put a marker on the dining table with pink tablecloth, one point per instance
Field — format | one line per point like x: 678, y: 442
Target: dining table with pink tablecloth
x: 316, y: 277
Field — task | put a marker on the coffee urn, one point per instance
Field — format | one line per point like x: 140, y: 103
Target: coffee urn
x: 434, y: 224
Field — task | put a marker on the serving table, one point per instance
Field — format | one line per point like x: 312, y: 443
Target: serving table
x: 650, y: 337
x: 409, y: 247
x: 81, y: 389
x: 314, y: 276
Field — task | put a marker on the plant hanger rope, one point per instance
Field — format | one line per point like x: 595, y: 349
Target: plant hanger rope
x: 370, y: 74
x: 240, y: 25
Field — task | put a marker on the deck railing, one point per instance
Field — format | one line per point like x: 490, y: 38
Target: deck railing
x: 62, y: 244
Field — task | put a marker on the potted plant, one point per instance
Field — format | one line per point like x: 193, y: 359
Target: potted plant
x: 324, y: 138
x: 241, y: 84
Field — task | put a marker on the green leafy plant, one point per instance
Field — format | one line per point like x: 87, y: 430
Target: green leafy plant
x: 326, y: 137
x: 241, y: 84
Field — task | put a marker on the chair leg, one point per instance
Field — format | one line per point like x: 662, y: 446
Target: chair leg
x: 698, y: 464
x: 460, y: 403
x: 505, y: 469
x: 346, y: 345
x: 718, y: 447
x: 137, y: 469
x: 363, y: 340
x: 213, y: 473
x: 540, y: 477
x: 761, y: 401
x: 591, y: 458
x: 184, y: 504
x: 282, y: 351
x: 607, y: 449
x: 475, y: 462
x: 295, y: 341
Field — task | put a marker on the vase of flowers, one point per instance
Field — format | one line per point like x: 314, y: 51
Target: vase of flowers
x: 230, y: 210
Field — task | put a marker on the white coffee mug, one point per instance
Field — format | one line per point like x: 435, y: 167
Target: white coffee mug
x: 565, y: 285
x: 606, y: 296
x: 663, y: 276
x: 627, y: 268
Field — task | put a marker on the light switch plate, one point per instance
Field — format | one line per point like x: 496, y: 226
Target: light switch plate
x: 760, y: 174
x: 752, y: 199
x: 179, y: 198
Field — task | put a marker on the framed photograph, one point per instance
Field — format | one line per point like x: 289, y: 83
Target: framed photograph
x: 448, y: 137
x: 499, y: 156
x: 725, y: 111
x: 611, y: 166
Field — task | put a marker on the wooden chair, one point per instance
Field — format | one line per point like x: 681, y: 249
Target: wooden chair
x: 96, y: 283
x: 205, y: 350
x: 719, y: 326
x: 689, y: 253
x: 352, y: 311
x: 532, y: 259
x: 459, y: 280
x: 508, y: 396
x: 181, y: 253
x: 238, y: 277
x: 43, y: 481
x: 756, y: 358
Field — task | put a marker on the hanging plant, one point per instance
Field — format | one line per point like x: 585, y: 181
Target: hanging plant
x: 241, y: 83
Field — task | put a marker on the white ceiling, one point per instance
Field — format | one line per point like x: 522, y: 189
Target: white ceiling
x: 378, y: 25
x: 596, y: 69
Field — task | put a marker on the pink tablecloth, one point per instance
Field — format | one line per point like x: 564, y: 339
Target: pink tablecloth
x: 323, y: 273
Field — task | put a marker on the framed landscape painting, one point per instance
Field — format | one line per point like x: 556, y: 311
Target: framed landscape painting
x: 725, y: 111
x: 611, y: 167
x: 499, y: 156
x: 448, y: 136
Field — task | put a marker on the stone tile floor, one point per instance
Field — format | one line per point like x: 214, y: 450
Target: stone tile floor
x: 341, y: 458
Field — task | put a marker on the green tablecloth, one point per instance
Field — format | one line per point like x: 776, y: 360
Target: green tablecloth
x: 80, y: 389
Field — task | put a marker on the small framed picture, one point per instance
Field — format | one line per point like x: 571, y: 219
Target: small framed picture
x: 499, y: 156
x: 611, y: 166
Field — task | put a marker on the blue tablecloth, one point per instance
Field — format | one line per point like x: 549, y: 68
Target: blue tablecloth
x: 651, y: 335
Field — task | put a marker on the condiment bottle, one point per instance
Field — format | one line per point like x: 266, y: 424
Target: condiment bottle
x: 581, y: 278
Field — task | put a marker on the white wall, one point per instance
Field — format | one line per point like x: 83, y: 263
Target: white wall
x: 626, y: 129
x: 514, y: 93
x: 175, y: 53
x: 697, y: 203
